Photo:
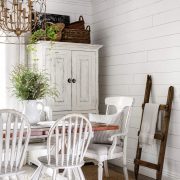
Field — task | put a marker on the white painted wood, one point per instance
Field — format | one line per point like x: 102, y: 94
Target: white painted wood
x: 84, y: 71
x: 102, y: 152
x: 106, y: 170
x: 14, y: 138
x: 69, y: 152
x: 63, y: 61
x: 58, y: 66
x: 72, y: 8
x: 133, y: 48
x: 100, y: 171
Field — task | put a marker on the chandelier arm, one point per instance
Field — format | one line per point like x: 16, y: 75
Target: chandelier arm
x: 24, y: 24
x: 16, y: 16
x: 5, y: 25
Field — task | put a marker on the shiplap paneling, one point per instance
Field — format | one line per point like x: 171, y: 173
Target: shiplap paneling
x: 73, y: 8
x: 141, y: 37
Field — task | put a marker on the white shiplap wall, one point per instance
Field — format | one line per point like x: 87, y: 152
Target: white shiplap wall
x: 141, y: 37
x: 73, y: 8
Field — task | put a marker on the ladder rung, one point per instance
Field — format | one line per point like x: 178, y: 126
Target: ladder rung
x: 159, y: 135
x: 146, y: 164
x: 161, y: 106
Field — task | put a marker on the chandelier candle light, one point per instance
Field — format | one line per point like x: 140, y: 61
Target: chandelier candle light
x: 16, y: 16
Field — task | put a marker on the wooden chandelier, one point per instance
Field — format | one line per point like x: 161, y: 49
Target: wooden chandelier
x: 18, y: 16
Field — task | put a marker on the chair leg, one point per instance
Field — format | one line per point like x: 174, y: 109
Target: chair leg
x: 106, y: 170
x: 54, y: 174
x: 69, y: 172
x: 100, y: 171
x: 125, y: 167
x: 81, y: 173
x: 64, y: 174
x: 76, y: 174
x: 37, y: 173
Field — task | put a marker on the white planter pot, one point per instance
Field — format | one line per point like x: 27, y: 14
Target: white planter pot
x: 33, y: 110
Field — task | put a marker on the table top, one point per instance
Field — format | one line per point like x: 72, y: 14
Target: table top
x: 96, y: 126
x: 41, y: 129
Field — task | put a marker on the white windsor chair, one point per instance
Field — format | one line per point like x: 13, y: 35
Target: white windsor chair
x: 67, y: 143
x: 103, y: 152
x: 14, y: 138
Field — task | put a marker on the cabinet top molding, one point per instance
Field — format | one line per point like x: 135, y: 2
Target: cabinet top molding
x: 70, y: 45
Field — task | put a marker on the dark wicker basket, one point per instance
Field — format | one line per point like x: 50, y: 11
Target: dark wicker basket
x: 78, y: 24
x: 76, y: 35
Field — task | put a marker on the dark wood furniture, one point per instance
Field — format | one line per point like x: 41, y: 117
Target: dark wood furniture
x: 159, y: 135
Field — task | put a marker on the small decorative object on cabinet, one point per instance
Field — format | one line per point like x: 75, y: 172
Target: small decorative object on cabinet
x: 78, y: 24
x: 73, y: 70
x: 76, y: 32
x: 53, y: 32
x: 50, y: 18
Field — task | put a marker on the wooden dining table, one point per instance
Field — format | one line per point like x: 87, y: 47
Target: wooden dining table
x: 41, y: 129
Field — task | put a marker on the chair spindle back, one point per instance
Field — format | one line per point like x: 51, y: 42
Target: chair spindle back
x: 14, y: 138
x: 121, y: 104
x: 68, y: 140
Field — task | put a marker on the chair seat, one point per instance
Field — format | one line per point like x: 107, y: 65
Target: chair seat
x: 53, y: 164
x: 100, y: 152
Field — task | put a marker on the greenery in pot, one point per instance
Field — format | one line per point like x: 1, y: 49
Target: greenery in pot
x: 37, y: 35
x: 52, y: 33
x: 31, y: 84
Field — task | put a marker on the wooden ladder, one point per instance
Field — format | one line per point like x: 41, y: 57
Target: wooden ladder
x: 159, y: 135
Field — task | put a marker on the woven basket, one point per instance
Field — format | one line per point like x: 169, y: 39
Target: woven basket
x: 76, y: 35
x: 78, y: 24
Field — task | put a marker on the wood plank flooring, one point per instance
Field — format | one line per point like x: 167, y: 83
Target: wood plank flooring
x: 90, y: 172
x: 115, y: 172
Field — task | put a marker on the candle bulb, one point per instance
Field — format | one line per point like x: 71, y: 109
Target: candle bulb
x: 14, y: 2
x: 5, y: 3
x: 29, y: 3
x: 11, y: 18
x: 2, y: 3
x: 5, y: 12
x: 24, y: 12
x: 19, y: 6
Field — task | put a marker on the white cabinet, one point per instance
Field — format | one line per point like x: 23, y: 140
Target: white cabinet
x: 84, y: 73
x: 73, y: 70
x: 58, y: 66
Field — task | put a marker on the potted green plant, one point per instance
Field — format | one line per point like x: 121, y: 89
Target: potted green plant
x: 31, y: 85
x: 52, y: 32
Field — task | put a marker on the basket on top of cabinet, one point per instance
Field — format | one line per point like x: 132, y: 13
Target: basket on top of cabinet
x: 76, y: 32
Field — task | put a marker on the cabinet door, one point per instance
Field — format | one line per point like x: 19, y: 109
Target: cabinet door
x: 84, y: 73
x: 58, y: 65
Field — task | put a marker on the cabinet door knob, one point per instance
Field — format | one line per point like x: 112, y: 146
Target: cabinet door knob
x: 74, y: 80
x: 69, y: 80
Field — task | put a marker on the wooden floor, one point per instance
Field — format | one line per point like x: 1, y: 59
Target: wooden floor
x: 90, y: 172
x: 116, y: 173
